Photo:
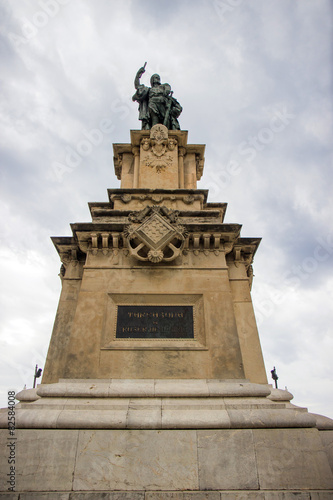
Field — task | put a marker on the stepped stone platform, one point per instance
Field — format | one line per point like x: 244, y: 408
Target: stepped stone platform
x: 167, y: 439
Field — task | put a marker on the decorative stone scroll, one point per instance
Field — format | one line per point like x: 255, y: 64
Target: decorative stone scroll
x: 154, y: 234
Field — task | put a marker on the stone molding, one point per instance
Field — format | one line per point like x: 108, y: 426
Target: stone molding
x: 158, y: 404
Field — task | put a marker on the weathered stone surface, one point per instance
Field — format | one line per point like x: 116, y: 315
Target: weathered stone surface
x: 201, y: 495
x: 186, y: 495
x: 57, y: 353
x: 322, y: 422
x: 44, y: 459
x: 156, y: 412
x: 164, y: 495
x: 321, y: 495
x: 144, y: 410
x: 112, y: 495
x: 287, y: 495
x: 27, y: 395
x: 144, y: 416
x: 243, y: 495
x: 327, y: 441
x: 280, y: 395
x: 114, y: 388
x: 136, y: 460
x: 45, y: 419
x: 181, y: 387
x: 193, y: 403
x: 172, y: 495
x: 291, y: 459
x: 195, y: 419
x: 132, y: 388
x: 227, y: 460
x: 90, y: 419
x: 248, y: 334
x: 269, y: 418
x: 44, y: 496
x: 75, y: 390
x: 237, y: 388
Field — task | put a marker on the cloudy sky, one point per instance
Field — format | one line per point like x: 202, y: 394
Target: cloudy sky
x: 255, y: 82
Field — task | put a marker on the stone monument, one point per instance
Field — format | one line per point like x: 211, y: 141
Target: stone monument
x: 154, y: 385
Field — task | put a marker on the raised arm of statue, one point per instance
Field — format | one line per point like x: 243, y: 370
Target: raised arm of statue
x: 139, y: 75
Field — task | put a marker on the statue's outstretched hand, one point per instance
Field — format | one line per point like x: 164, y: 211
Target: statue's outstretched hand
x: 138, y: 76
x: 141, y: 71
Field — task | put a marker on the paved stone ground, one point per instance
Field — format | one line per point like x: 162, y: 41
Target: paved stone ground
x: 165, y: 495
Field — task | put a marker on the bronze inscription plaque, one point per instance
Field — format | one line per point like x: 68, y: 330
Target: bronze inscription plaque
x: 155, y: 322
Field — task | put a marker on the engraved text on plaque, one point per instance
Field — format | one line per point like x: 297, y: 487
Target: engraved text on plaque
x: 155, y: 322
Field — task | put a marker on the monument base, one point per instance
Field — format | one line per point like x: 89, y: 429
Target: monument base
x: 165, y: 439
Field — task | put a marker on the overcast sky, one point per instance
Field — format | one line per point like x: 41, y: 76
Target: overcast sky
x: 255, y: 82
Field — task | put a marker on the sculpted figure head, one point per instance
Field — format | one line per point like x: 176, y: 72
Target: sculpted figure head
x: 155, y: 80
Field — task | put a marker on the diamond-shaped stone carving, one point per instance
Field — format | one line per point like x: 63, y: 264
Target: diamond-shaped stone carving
x: 156, y: 232
x: 155, y: 229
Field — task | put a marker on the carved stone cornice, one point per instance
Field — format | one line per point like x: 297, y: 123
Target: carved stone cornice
x: 70, y: 256
x: 209, y: 242
x: 67, y: 249
x: 118, y: 162
x: 175, y: 197
x: 245, y: 249
x: 96, y: 241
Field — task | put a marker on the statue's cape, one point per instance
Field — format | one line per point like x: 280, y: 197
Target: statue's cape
x: 141, y: 96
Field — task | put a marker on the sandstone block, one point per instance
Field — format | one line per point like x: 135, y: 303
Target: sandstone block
x: 44, y: 459
x: 227, y: 460
x: 291, y: 459
x: 136, y: 460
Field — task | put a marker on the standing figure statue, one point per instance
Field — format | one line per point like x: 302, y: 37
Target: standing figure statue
x: 156, y: 104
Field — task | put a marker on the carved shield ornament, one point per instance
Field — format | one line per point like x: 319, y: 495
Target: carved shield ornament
x: 154, y: 235
x: 159, y: 139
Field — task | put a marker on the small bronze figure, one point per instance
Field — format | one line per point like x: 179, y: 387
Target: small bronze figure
x: 274, y: 377
x: 156, y: 103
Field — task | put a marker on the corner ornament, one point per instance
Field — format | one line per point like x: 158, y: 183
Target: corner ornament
x: 154, y: 235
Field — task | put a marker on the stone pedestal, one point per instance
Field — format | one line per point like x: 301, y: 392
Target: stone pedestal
x: 154, y: 385
x: 149, y: 248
